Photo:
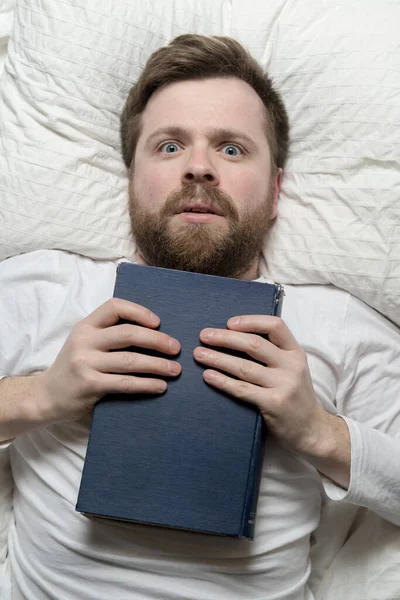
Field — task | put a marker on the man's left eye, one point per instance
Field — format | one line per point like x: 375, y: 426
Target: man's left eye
x: 231, y: 150
x: 169, y: 148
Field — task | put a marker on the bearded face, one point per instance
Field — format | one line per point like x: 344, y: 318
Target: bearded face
x: 203, y: 147
x: 225, y: 244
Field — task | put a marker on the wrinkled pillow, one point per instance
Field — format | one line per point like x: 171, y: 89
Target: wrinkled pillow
x: 6, y: 18
x: 70, y: 67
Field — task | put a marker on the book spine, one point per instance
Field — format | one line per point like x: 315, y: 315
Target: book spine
x: 254, y: 480
x: 278, y: 300
x: 255, y: 469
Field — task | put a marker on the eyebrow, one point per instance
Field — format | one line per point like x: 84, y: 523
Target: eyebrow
x: 215, y: 132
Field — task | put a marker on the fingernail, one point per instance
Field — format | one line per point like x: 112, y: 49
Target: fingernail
x: 174, y: 346
x: 234, y: 321
x: 201, y: 353
x: 154, y: 319
x: 174, y: 368
x: 208, y: 333
x: 211, y: 376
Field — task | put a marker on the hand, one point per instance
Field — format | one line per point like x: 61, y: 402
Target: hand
x: 85, y: 371
x: 281, y: 387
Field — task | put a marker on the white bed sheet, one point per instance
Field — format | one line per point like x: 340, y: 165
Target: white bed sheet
x: 6, y: 483
x: 348, y: 564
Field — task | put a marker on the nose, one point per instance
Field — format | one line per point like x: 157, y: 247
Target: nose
x: 199, y: 169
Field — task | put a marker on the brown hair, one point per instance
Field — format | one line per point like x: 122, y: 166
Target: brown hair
x: 201, y: 57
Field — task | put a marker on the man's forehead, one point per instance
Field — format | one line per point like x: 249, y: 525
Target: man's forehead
x: 220, y: 103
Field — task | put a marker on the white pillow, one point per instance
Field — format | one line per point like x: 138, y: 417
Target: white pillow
x: 336, y: 65
x: 6, y: 18
x: 67, y: 74
x: 69, y: 69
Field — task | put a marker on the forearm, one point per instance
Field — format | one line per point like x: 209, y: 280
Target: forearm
x: 19, y: 399
x: 330, y: 449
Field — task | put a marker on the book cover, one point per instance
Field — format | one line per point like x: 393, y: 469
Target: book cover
x: 190, y: 458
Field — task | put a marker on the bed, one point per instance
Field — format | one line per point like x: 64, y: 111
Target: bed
x: 66, y: 68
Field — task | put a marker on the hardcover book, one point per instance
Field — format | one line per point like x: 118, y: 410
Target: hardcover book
x: 190, y: 458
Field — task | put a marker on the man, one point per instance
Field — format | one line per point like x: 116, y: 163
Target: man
x: 205, y: 138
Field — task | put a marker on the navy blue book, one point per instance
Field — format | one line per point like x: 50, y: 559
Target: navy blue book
x: 190, y: 458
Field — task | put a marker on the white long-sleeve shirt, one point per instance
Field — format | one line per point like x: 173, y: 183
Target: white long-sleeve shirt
x: 56, y: 553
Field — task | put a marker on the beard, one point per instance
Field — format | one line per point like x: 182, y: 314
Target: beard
x: 207, y: 248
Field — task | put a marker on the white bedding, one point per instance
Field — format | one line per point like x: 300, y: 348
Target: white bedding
x: 6, y: 484
x: 69, y: 68
x: 6, y: 18
x: 63, y: 185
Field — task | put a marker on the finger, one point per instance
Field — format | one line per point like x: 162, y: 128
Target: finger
x: 252, y: 344
x: 278, y: 332
x: 125, y: 335
x: 244, y: 369
x: 116, y: 309
x: 129, y: 384
x: 238, y: 389
x: 133, y: 362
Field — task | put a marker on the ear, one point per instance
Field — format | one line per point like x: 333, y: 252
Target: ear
x: 277, y: 188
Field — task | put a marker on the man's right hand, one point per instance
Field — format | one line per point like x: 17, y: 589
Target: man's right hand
x: 85, y: 370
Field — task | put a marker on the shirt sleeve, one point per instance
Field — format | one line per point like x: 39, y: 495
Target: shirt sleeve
x: 6, y: 512
x: 368, y: 399
x: 29, y: 288
x: 20, y: 308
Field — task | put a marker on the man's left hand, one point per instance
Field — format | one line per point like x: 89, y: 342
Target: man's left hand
x: 281, y: 387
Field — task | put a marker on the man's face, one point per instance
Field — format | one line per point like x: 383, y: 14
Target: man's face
x: 203, y: 147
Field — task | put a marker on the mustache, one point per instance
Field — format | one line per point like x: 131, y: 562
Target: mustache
x: 210, y: 195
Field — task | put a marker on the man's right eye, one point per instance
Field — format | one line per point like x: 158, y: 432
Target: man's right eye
x: 169, y: 148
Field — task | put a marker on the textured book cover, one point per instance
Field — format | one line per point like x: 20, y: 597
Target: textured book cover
x: 192, y: 457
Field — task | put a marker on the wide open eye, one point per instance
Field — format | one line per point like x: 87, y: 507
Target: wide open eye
x: 169, y: 148
x: 232, y: 150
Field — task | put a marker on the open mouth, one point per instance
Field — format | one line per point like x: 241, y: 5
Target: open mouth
x: 200, y: 210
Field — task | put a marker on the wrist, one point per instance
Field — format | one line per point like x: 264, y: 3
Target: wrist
x: 20, y: 397
x: 328, y: 447
x: 34, y: 408
x: 312, y: 440
x: 39, y: 410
